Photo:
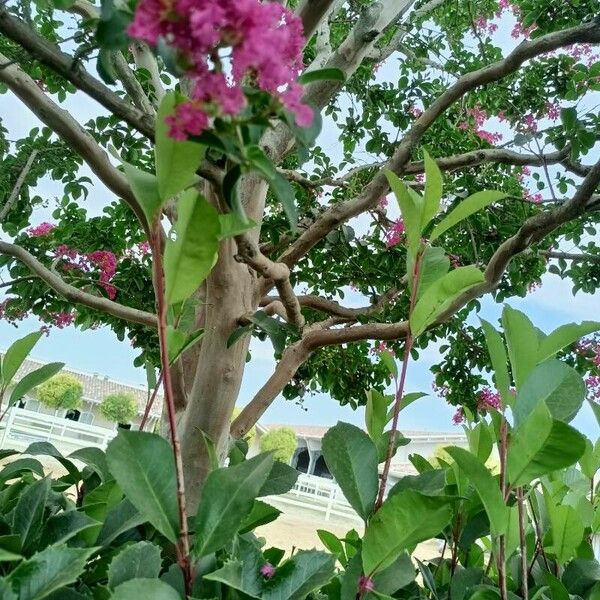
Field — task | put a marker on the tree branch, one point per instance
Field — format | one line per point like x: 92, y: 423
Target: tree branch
x: 131, y: 85
x: 74, y: 294
x: 595, y: 258
x: 63, y: 64
x: 70, y: 131
x: 341, y: 212
x: 18, y: 185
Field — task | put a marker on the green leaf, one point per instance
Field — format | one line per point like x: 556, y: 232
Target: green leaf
x: 33, y: 379
x: 497, y: 353
x: 351, y: 457
x: 145, y: 589
x: 564, y: 336
x: 238, y: 334
x: 261, y: 514
x: 556, y: 384
x: 179, y: 341
x: 48, y: 571
x: 411, y: 209
x: 227, y: 499
x: 434, y: 183
x: 485, y: 484
x: 333, y: 543
x: 17, y: 467
x: 389, y: 362
x: 441, y: 294
x: 190, y: 257
x: 428, y: 483
x: 305, y: 572
x: 276, y: 330
x: 465, y: 209
x: 95, y: 459
x: 119, y: 519
x: 541, y: 445
x: 403, y: 521
x: 281, y: 479
x: 480, y: 441
x: 232, y: 225
x: 29, y: 512
x: 376, y: 413
x: 47, y: 449
x: 435, y: 264
x: 590, y: 461
x: 176, y: 161
x: 143, y: 465
x: 408, y: 399
x: 138, y: 561
x: 580, y: 575
x: 322, y: 75
x: 16, y: 354
x: 428, y: 578
x: 64, y: 526
x: 566, y: 529
x: 523, y: 340
x: 145, y: 189
x: 463, y: 580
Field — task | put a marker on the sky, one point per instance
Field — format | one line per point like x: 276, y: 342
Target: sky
x: 100, y: 352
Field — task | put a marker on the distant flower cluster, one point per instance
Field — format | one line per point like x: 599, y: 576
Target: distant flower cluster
x: 479, y: 116
x: 395, y: 233
x: 220, y: 44
x: 41, y: 230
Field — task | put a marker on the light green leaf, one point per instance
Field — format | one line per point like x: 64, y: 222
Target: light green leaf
x: 227, y: 499
x: 465, y: 209
x: 138, y: 561
x: 145, y: 189
x: 555, y: 383
x: 261, y: 514
x: 403, y: 521
x: 389, y: 362
x: 434, y: 265
x: 176, y: 161
x: 145, y: 589
x: 590, y: 461
x: 376, y: 413
x: 351, y: 457
x: 441, y: 294
x: 232, y: 225
x: 566, y: 529
x: 16, y: 354
x: 408, y: 399
x: 33, y: 379
x: 333, y: 543
x: 541, y: 445
x: 281, y: 479
x: 434, y: 183
x: 480, y: 441
x: 564, y: 336
x: 143, y: 465
x: 486, y: 485
x: 499, y: 360
x: 411, y: 208
x: 512, y: 540
x: 179, y: 341
x: 190, y: 257
x: 48, y: 571
x: 523, y: 340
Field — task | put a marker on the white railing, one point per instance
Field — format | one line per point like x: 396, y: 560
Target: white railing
x: 319, y: 494
x: 21, y: 427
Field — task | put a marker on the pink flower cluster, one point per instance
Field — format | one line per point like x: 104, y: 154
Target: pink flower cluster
x: 365, y: 584
x: 536, y: 198
x: 415, y: 111
x: 379, y: 348
x: 590, y: 348
x: 479, y: 117
x: 60, y: 319
x: 395, y: 233
x: 41, y: 230
x: 267, y: 570
x: 482, y: 26
x: 489, y: 400
x: 593, y: 386
x: 552, y: 111
x: 266, y: 42
x: 459, y: 416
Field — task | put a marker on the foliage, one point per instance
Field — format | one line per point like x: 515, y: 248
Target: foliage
x: 120, y: 408
x: 281, y: 441
x: 61, y: 391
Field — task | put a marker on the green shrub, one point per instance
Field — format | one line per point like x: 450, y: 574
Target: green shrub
x: 282, y: 441
x: 61, y: 391
x: 121, y: 408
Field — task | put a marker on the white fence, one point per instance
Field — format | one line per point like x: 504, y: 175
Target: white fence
x: 21, y: 427
x: 317, y: 494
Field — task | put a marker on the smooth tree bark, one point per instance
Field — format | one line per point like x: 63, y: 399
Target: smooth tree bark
x: 248, y: 275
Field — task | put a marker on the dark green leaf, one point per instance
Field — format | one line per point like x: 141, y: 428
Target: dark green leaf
x: 261, y: 514
x: 321, y: 75
x: 64, y: 526
x: 145, y: 189
x: 276, y: 330
x: 434, y: 184
x: 281, y: 479
x: 29, y: 512
x: 138, y: 561
x: 145, y: 589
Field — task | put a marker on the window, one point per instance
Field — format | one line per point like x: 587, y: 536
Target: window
x: 72, y: 415
x: 21, y: 403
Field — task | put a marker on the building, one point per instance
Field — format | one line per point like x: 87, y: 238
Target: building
x: 29, y: 420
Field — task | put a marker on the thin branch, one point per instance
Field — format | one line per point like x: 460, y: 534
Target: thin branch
x: 131, y: 85
x: 145, y: 59
x: 18, y: 185
x: 595, y: 258
x: 73, y: 294
x: 249, y: 253
x: 63, y: 64
x: 71, y: 132
x: 341, y: 212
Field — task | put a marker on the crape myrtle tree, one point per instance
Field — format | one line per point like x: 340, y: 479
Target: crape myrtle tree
x: 500, y: 95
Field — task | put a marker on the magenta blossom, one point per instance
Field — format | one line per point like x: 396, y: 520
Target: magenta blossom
x: 489, y: 400
x: 395, y: 233
x: 267, y: 570
x: 41, y: 230
x: 261, y: 42
x: 365, y: 584
x: 459, y: 416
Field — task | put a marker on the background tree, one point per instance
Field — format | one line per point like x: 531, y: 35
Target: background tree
x: 61, y: 391
x: 120, y: 408
x: 415, y: 74
x: 282, y: 441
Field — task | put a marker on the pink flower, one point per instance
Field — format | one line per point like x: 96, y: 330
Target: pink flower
x: 60, y: 319
x: 106, y: 261
x: 593, y: 387
x: 489, y: 400
x: 144, y: 248
x: 552, y: 111
x: 395, y: 233
x: 267, y: 570
x: 383, y: 202
x: 41, y: 230
x: 529, y: 123
x: 415, y: 111
x: 491, y: 138
x: 266, y: 42
x: 379, y: 348
x: 502, y: 116
x: 365, y: 584
x: 459, y: 416
x: 454, y: 260
x: 518, y: 30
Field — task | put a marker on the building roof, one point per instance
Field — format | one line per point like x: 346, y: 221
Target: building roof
x: 97, y: 387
